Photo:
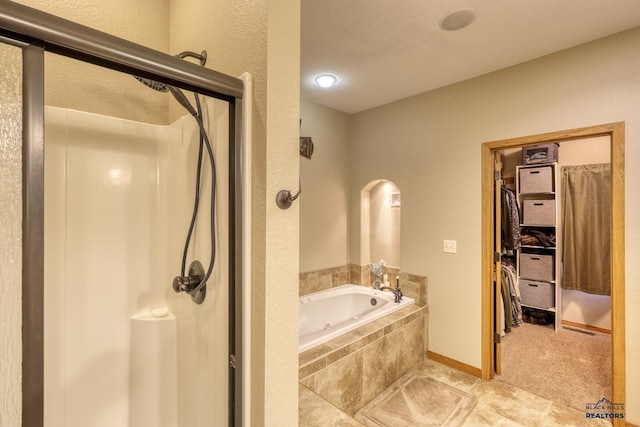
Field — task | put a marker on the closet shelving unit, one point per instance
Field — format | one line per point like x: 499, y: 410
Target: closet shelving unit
x: 539, y: 267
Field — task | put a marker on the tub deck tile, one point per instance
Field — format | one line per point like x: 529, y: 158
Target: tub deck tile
x: 380, y: 366
x: 314, y: 354
x: 311, y: 368
x: 340, y: 347
x: 342, y: 384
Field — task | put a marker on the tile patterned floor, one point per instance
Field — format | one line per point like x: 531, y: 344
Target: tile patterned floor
x: 418, y: 400
x: 498, y: 404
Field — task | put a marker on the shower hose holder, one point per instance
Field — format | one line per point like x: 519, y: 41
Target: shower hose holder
x: 189, y: 284
x: 284, y: 198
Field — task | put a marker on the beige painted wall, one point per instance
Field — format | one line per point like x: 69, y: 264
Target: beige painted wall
x: 435, y: 160
x: 586, y: 151
x: 325, y: 185
x: 72, y: 84
x: 282, y: 169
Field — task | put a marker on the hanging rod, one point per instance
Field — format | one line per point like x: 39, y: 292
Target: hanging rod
x: 69, y: 38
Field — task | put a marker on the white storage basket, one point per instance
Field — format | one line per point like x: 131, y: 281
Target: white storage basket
x: 539, y: 212
x: 536, y: 267
x: 537, y: 294
x: 536, y: 180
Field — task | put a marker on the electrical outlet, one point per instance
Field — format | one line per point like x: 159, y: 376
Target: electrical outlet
x: 449, y: 246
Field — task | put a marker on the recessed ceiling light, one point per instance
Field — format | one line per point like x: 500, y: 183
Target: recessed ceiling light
x: 326, y: 80
x: 457, y: 20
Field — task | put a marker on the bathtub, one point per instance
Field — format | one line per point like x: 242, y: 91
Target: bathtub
x: 327, y: 314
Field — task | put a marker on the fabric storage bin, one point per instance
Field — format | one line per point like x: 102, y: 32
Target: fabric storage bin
x: 544, y: 153
x: 537, y: 294
x: 536, y: 180
x: 536, y: 267
x: 539, y: 212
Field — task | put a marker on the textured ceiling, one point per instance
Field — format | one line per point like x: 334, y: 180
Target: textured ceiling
x: 383, y: 50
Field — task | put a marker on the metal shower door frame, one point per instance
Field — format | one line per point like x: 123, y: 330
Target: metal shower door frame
x: 36, y: 32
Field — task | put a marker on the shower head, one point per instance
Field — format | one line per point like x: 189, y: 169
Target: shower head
x: 160, y: 87
x: 177, y: 93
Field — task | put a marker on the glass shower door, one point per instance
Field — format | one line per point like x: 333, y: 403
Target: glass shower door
x: 121, y: 347
x: 92, y: 234
x: 10, y: 233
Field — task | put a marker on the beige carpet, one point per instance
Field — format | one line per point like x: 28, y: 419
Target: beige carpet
x: 416, y: 400
x: 568, y: 367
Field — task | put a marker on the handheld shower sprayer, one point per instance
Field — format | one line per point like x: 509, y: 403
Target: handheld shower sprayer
x: 194, y: 281
x: 177, y: 93
x: 182, y: 100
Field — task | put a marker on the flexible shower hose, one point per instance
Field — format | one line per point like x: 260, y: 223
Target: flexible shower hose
x: 204, y: 141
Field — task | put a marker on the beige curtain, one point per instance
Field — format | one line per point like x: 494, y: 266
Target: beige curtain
x: 586, y: 199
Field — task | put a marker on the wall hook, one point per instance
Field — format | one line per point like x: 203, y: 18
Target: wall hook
x: 284, y: 199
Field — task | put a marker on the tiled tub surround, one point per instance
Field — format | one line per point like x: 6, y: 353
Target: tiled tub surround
x: 353, y: 368
x: 412, y: 285
x: 319, y: 280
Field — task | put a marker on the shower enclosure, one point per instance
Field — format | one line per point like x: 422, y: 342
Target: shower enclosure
x: 97, y: 209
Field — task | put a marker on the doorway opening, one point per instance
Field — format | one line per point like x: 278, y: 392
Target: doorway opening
x: 491, y: 350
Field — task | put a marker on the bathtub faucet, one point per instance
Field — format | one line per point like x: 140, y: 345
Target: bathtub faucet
x: 396, y: 291
x: 376, y: 283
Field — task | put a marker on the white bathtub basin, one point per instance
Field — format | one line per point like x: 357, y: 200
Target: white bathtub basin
x: 327, y: 314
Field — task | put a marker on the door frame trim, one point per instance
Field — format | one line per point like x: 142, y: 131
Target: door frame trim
x: 616, y: 131
x: 32, y: 236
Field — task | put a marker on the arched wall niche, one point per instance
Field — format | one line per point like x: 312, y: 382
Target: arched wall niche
x: 380, y: 221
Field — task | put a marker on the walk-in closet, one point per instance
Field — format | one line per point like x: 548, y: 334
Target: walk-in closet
x: 553, y: 305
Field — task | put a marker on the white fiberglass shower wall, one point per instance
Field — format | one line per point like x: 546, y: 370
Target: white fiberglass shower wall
x: 118, y: 201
